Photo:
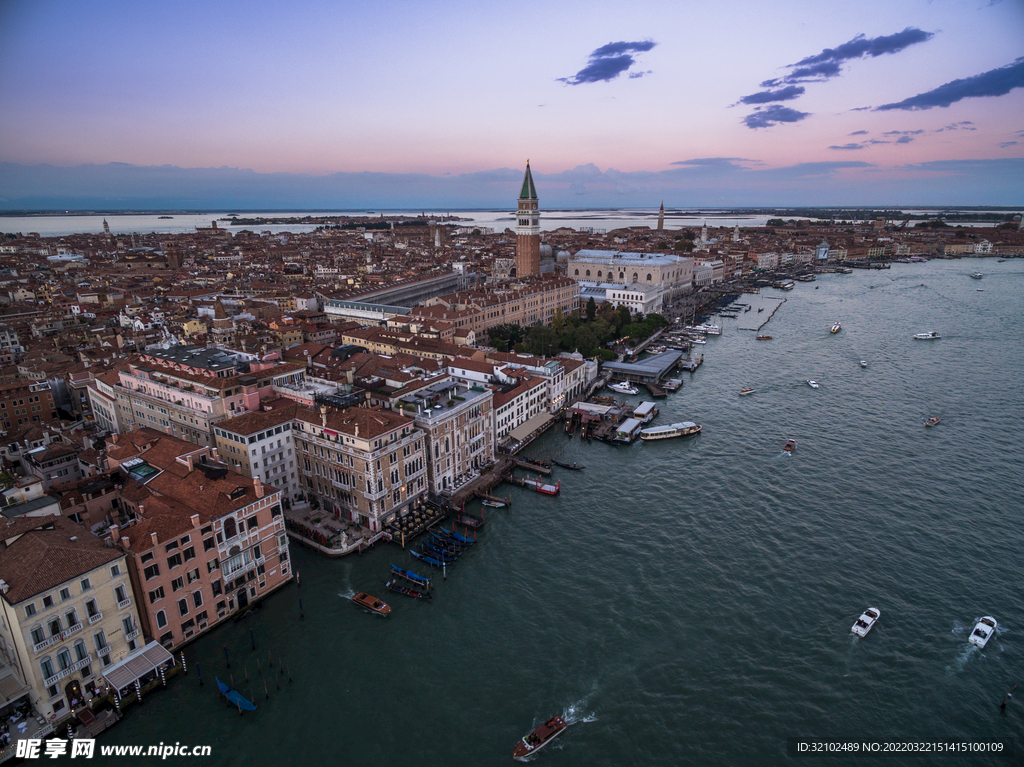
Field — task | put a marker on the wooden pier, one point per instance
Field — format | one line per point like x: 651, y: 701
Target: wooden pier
x: 537, y: 466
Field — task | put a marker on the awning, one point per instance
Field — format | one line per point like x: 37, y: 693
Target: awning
x: 525, y: 430
x: 124, y: 673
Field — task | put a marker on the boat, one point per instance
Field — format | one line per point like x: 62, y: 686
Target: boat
x: 429, y: 560
x: 745, y: 392
x: 813, y: 384
x: 398, y: 588
x: 574, y: 466
x: 760, y: 309
x: 1001, y: 260
x: 932, y: 421
x: 624, y: 387
x: 790, y: 446
x: 492, y: 504
x: 977, y: 275
x: 540, y: 737
x: 448, y: 542
x: 682, y: 429
x: 863, y: 363
x: 983, y: 631
x: 372, y: 604
x: 410, y: 576
x: 836, y: 327
x: 235, y: 697
x: 926, y: 336
x: 763, y: 338
x: 866, y: 621
x: 444, y: 557
x: 456, y: 537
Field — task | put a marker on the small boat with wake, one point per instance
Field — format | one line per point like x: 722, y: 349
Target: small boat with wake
x: 235, y: 697
x: 540, y: 737
x: 926, y: 336
x: 745, y: 392
x: 977, y: 275
x: 866, y: 621
x: 762, y: 338
x: 836, y: 327
x: 863, y: 363
x: 398, y: 588
x: 983, y: 631
x: 789, y: 447
x: 372, y: 604
x: 574, y: 466
x: 812, y: 383
x: 933, y: 421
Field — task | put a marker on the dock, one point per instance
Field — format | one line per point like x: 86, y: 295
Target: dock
x: 535, y: 485
x: 538, y: 466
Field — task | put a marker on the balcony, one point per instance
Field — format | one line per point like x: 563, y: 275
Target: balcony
x: 94, y: 619
x: 68, y: 671
x: 131, y: 635
x: 124, y: 603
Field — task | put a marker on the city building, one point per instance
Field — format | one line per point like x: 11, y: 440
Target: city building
x: 674, y: 274
x: 527, y: 228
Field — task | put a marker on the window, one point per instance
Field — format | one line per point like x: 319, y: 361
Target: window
x: 161, y: 619
x: 171, y: 546
x: 167, y: 638
x: 173, y: 561
x: 80, y: 652
x: 185, y: 539
x: 101, y: 642
x: 182, y: 607
x: 55, y: 626
x: 38, y: 635
x: 120, y: 594
x: 217, y: 591
x: 156, y: 595
x: 207, y: 530
x: 91, y: 609
x: 148, y: 557
x: 151, y: 572
x: 72, y: 618
x: 177, y: 584
x: 208, y: 544
x: 63, y: 659
x: 46, y: 665
x: 230, y: 530
x: 212, y: 565
x: 193, y: 575
x: 197, y: 598
x: 85, y: 584
x: 252, y: 522
x: 189, y: 553
x: 30, y: 609
x: 47, y: 601
x: 115, y: 571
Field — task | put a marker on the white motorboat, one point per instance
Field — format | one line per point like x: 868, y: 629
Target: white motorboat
x: 813, y: 384
x: 977, y: 275
x: 926, y: 336
x: 866, y: 621
x: 624, y: 387
x: 983, y: 631
x: 836, y: 327
x: 863, y: 363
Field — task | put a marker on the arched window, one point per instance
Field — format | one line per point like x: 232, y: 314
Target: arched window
x: 634, y: 277
x: 648, y: 276
x: 598, y: 272
x: 588, y: 272
x: 229, y: 528
x: 576, y: 273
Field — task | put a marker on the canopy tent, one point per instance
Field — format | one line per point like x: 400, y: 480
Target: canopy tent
x: 124, y: 673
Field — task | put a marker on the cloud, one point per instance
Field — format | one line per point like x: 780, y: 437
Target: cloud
x: 904, y: 139
x: 859, y: 133
x: 861, y: 46
x: 995, y: 82
x: 962, y: 125
x: 816, y: 73
x: 635, y: 75
x: 903, y: 132
x: 1006, y: 144
x: 848, y: 146
x: 713, y: 162
x: 764, y: 97
x: 769, y: 116
x: 609, y: 61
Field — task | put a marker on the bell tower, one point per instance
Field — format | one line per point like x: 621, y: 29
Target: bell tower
x: 528, y: 228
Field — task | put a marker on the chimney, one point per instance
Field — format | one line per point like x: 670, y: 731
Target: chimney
x: 258, y: 487
x: 152, y: 539
x: 115, y: 533
x: 323, y: 416
x: 113, y: 438
x: 188, y: 462
x: 195, y: 520
x: 357, y: 430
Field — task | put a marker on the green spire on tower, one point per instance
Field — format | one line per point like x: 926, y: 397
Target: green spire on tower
x: 529, y: 191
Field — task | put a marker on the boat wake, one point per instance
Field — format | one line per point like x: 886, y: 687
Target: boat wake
x: 347, y: 594
x: 576, y: 713
x: 961, y: 660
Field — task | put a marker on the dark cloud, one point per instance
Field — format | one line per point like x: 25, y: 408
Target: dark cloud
x: 848, y: 146
x: 816, y: 73
x: 861, y: 46
x: 765, y: 97
x: 859, y: 133
x: 904, y: 139
x: 635, y: 75
x: 877, y: 141
x: 1006, y: 144
x: 608, y: 62
x: 769, y: 116
x: 903, y: 132
x: 713, y: 162
x: 995, y: 82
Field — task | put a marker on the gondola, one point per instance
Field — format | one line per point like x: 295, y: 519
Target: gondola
x: 447, y: 542
x: 440, y: 556
x: 457, y: 537
x: 410, y: 576
x: 398, y: 588
x: 440, y: 552
x: 574, y: 466
x: 428, y: 559
x: 235, y: 697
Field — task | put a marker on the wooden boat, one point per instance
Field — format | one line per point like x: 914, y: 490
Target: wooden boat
x: 372, y: 604
x: 398, y: 588
x: 574, y: 466
x: 745, y: 392
x: 443, y: 557
x: 458, y: 538
x: 410, y: 576
x: 540, y: 737
x: 932, y: 421
x: 429, y: 560
x: 763, y: 338
x: 790, y: 446
x: 235, y: 697
x: 444, y: 542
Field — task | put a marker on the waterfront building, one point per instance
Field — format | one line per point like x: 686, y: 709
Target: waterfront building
x: 204, y: 541
x: 527, y: 228
x: 364, y: 464
x: 674, y: 274
x: 68, y: 612
x: 565, y: 378
x: 259, y: 445
x: 458, y: 423
x: 636, y: 297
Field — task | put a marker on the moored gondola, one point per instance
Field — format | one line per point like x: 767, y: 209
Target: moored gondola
x: 574, y: 466
x: 410, y: 576
x: 456, y: 536
x: 398, y: 588
x: 428, y: 559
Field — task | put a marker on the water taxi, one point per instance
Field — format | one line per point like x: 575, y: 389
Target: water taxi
x: 926, y: 336
x: 866, y: 621
x: 745, y: 392
x: 983, y: 631
x: 789, y: 447
x: 813, y: 384
x: 683, y: 429
x: 836, y: 327
x: 762, y: 338
x: 372, y: 604
x: 977, y: 275
x: 539, y: 738
x: 624, y: 387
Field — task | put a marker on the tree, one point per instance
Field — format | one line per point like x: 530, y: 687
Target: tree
x: 591, y: 309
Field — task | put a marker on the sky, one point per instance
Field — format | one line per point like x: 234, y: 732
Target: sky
x: 395, y: 104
